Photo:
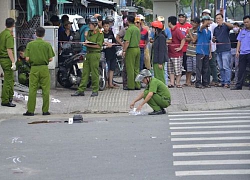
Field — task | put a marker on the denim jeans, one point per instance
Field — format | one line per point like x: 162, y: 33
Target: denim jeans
x: 224, y: 62
x: 166, y: 72
x: 141, y: 58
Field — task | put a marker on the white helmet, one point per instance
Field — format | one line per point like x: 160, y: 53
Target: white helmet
x: 141, y: 17
x: 206, y: 11
x: 160, y: 18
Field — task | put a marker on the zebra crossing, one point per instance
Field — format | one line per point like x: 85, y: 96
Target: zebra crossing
x: 210, y: 143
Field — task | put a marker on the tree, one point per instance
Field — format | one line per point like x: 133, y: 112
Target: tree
x: 231, y: 6
x: 243, y: 4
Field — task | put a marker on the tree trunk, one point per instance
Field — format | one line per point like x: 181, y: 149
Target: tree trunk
x: 192, y: 9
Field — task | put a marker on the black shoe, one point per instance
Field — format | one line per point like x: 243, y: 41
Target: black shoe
x: 207, y: 86
x: 46, y: 113
x: 126, y: 88
x: 163, y: 111
x: 236, y: 88
x: 94, y: 94
x: 156, y: 112
x: 9, y: 104
x: 137, y: 88
x: 28, y: 114
x: 199, y: 86
x: 78, y: 94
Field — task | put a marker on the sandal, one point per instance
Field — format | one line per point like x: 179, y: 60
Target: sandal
x: 170, y: 86
x: 179, y: 86
x: 187, y: 85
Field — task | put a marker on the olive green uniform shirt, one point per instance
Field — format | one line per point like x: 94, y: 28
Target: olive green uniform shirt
x: 133, y: 36
x: 6, y: 42
x: 158, y: 87
x: 97, y: 37
x: 41, y: 52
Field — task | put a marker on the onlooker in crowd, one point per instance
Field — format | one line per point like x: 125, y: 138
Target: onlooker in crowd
x: 39, y: 53
x: 169, y: 40
x: 183, y: 25
x: 243, y: 52
x: 23, y: 67
x: 83, y: 30
x: 91, y: 64
x: 234, y: 60
x: 111, y: 21
x: 7, y: 62
x: 64, y: 19
x: 203, y: 53
x: 160, y: 55
x: 100, y: 19
x: 66, y: 35
x: 110, y: 52
x: 175, y: 53
x: 156, y: 94
x: 212, y: 69
x: 143, y: 41
x: 55, y: 20
x: 223, y: 49
x: 191, y: 37
x: 131, y: 52
x: 119, y: 40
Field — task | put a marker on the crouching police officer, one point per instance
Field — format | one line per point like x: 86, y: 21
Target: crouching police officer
x: 39, y: 53
x: 156, y: 94
x: 23, y: 67
x: 93, y: 43
x: 7, y: 62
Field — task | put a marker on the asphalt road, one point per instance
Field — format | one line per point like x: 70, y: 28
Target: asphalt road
x: 118, y: 146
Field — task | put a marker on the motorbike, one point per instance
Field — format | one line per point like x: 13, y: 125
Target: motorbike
x: 69, y: 72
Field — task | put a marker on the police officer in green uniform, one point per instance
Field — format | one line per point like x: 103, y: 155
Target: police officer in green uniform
x: 131, y: 52
x: 7, y: 62
x: 156, y: 94
x: 23, y: 67
x: 91, y: 64
x: 39, y: 53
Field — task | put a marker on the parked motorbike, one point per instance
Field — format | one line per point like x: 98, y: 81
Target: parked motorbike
x: 69, y: 72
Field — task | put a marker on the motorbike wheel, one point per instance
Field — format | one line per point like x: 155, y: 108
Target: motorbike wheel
x: 63, y: 82
x: 102, y: 80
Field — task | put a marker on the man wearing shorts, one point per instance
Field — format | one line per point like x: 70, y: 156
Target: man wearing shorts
x: 175, y: 53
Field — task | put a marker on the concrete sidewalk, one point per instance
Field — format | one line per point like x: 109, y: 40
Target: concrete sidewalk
x: 118, y: 100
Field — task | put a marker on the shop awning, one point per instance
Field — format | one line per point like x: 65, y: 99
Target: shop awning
x: 103, y: 3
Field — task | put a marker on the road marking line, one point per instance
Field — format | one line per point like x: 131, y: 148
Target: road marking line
x: 208, y: 118
x: 213, y: 172
x: 211, y: 122
x: 211, y: 145
x: 211, y: 162
x: 210, y: 138
x: 209, y: 114
x: 209, y: 132
x: 211, y: 127
x: 211, y: 153
x: 200, y: 112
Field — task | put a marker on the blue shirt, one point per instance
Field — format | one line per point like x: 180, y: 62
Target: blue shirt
x: 244, y: 38
x: 221, y: 34
x: 82, y: 31
x: 203, y: 41
x: 167, y: 31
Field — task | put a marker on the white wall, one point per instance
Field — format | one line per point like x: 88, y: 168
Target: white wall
x: 164, y: 8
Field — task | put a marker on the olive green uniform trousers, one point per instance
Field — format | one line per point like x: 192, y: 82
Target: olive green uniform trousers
x: 157, y: 102
x: 159, y: 73
x: 8, y: 85
x: 90, y: 65
x: 39, y: 76
x: 132, y: 62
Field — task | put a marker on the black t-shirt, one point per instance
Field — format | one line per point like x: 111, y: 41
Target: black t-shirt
x: 233, y: 39
x: 110, y: 53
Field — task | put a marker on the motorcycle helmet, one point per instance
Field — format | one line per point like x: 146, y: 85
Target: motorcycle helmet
x: 93, y: 20
x: 183, y: 15
x: 157, y: 24
x: 160, y: 18
x: 110, y: 19
x: 207, y: 11
x: 144, y: 73
x: 81, y: 21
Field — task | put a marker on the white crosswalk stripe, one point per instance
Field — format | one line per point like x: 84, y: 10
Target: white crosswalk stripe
x: 211, y: 142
